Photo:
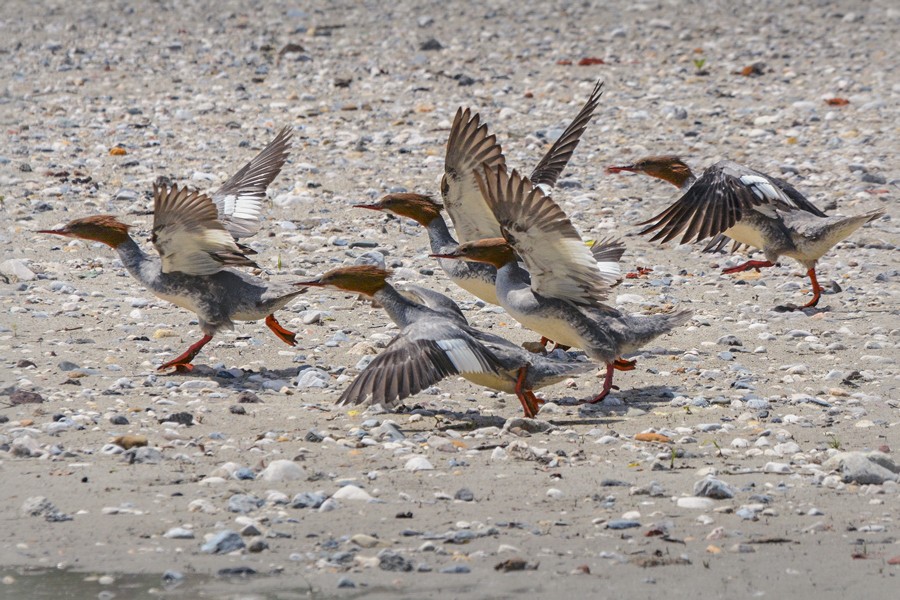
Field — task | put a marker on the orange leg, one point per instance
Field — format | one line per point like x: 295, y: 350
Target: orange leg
x: 750, y: 264
x: 535, y: 401
x: 817, y: 289
x: 288, y: 337
x: 620, y: 364
x: 607, y: 384
x: 525, y: 396
x: 183, y: 362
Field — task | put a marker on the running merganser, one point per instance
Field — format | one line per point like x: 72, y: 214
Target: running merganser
x: 468, y: 144
x: 436, y: 341
x: 196, y: 238
x: 731, y: 201
x: 560, y: 292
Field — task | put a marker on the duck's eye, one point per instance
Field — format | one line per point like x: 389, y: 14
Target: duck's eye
x: 445, y: 186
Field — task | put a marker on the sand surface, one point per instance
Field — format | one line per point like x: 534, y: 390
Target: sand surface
x: 102, y: 98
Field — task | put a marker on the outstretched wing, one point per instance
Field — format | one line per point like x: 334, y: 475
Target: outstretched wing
x: 554, y: 162
x: 468, y: 148
x: 608, y: 250
x: 720, y: 198
x: 239, y: 200
x: 188, y: 235
x: 560, y: 264
x: 423, y: 354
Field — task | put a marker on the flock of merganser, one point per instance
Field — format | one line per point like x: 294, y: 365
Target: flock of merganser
x: 515, y: 247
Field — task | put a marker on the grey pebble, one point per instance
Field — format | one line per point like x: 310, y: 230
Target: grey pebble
x: 864, y: 467
x: 456, y: 569
x: 223, y: 542
x: 308, y: 500
x: 388, y: 560
x: 244, y: 503
x: 711, y: 487
x: 622, y: 524
x: 464, y: 494
x: 144, y: 455
x: 179, y: 533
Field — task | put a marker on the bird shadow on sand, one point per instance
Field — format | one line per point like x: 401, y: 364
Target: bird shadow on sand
x: 227, y: 380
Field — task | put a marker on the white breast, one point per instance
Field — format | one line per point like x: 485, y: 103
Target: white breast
x: 743, y: 233
x: 495, y: 382
x: 187, y: 302
x: 479, y: 288
x: 557, y: 329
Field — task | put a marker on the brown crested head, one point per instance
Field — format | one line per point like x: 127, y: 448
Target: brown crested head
x: 418, y: 207
x: 98, y: 228
x: 667, y: 167
x: 493, y: 251
x: 363, y: 279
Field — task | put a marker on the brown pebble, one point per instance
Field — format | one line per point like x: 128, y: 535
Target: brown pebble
x: 130, y: 441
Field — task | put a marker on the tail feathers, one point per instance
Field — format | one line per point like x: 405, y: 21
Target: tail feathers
x: 547, y: 371
x: 643, y: 329
x: 821, y: 235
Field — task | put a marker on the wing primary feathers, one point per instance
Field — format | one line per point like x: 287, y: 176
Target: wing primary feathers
x: 553, y: 163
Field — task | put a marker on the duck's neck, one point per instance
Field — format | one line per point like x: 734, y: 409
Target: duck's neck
x: 439, y: 235
x: 141, y: 266
x: 401, y: 310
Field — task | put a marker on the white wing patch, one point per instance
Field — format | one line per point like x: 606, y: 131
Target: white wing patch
x: 462, y: 356
x: 244, y: 206
x: 762, y: 188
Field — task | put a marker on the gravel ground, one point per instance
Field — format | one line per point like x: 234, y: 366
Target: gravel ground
x: 766, y: 466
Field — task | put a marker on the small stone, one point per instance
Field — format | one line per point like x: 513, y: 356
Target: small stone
x: 244, y: 503
x: 776, y: 467
x: 622, y: 524
x: 223, y: 542
x: 311, y: 378
x: 418, y: 463
x: 308, y: 500
x: 456, y: 569
x: 25, y: 397
x: 695, y: 502
x: 389, y: 560
x: 15, y: 268
x: 555, y: 493
x: 465, y: 495
x: 248, y: 397
x: 282, y: 470
x: 364, y: 541
x: 711, y: 487
x: 864, y: 467
x: 179, y: 533
x: 352, y: 492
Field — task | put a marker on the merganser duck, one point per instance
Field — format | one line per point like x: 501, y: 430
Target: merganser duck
x: 468, y: 147
x: 559, y: 292
x: 196, y: 238
x: 474, y: 277
x: 731, y: 201
x: 436, y: 341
